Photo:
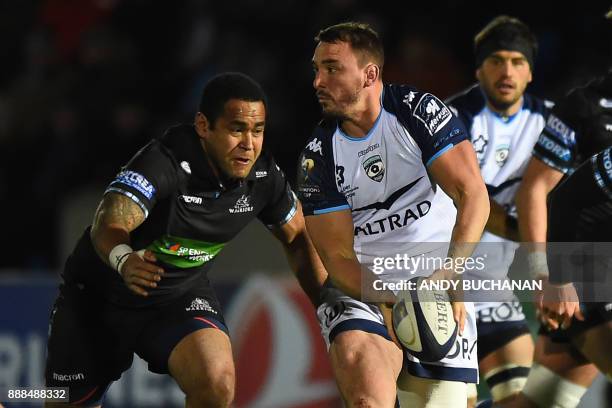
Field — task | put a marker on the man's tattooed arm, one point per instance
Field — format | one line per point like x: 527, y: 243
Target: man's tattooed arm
x: 116, y: 216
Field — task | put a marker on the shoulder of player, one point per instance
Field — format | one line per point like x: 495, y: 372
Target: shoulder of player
x: 537, y: 105
x: 320, y: 142
x: 468, y: 102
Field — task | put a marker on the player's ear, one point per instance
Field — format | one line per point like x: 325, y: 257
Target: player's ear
x: 372, y: 74
x: 479, y: 74
x: 202, y: 126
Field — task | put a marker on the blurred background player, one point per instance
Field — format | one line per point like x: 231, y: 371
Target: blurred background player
x: 504, y: 123
x: 579, y: 126
x: 179, y: 201
x: 368, y: 186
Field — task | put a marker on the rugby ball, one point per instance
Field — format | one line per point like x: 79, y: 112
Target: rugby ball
x: 423, y: 322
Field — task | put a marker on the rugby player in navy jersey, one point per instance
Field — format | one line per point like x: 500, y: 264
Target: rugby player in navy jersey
x: 579, y: 126
x: 504, y: 123
x: 137, y: 279
x: 388, y: 169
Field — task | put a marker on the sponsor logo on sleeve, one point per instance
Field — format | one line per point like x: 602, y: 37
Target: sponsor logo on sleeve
x: 432, y: 112
x: 136, y: 181
x: 307, y: 167
x: 409, y: 98
x: 553, y: 147
x: 559, y: 129
x: 315, y: 146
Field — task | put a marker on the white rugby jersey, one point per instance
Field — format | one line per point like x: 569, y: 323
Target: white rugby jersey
x: 503, y: 145
x: 382, y: 177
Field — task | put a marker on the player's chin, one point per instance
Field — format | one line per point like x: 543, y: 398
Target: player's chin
x: 241, y: 173
x: 332, y: 113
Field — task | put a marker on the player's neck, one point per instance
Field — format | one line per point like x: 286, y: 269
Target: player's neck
x: 364, y: 117
x: 509, y: 111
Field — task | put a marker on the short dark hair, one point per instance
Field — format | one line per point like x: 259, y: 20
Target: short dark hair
x: 505, y: 33
x: 223, y: 87
x: 361, y: 37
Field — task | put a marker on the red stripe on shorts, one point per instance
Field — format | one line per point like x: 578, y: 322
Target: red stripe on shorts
x: 207, y: 321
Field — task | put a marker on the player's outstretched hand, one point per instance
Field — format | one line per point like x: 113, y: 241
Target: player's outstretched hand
x: 140, y: 272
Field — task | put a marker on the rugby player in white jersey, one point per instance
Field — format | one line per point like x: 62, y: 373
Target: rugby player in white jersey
x: 504, y: 123
x: 390, y: 167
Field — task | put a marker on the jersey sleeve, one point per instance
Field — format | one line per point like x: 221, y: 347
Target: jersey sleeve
x: 431, y: 123
x: 317, y: 178
x: 556, y: 146
x: 147, y: 177
x: 282, y: 205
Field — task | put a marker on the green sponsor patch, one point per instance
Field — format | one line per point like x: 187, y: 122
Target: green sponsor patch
x: 183, y: 252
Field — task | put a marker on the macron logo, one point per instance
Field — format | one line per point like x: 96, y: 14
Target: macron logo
x: 191, y: 199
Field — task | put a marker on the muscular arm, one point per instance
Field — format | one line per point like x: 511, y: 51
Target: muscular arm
x: 332, y: 234
x: 302, y: 255
x: 538, y: 181
x: 456, y: 171
x: 117, y: 216
x: 501, y: 224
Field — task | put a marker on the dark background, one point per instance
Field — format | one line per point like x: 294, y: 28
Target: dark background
x: 85, y: 83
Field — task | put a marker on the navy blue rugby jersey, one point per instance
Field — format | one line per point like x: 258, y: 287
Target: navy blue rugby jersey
x: 580, y: 210
x: 190, y: 215
x: 503, y: 145
x: 382, y: 178
x: 579, y: 126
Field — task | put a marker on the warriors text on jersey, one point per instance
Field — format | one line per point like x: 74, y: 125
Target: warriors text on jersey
x: 190, y: 215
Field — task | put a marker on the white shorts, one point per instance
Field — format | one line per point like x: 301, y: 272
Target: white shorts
x: 339, y: 313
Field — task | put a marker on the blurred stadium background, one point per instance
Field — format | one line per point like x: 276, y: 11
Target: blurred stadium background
x: 85, y: 83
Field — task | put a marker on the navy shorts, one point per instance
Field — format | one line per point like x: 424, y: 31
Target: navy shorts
x: 92, y: 342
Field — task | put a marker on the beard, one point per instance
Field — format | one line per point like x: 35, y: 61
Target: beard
x: 502, y: 105
x: 342, y: 108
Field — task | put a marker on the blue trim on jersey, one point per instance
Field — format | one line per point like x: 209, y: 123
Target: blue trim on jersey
x: 436, y: 372
x: 289, y: 216
x: 550, y: 163
x: 501, y: 117
x: 331, y: 209
x: 365, y: 325
x: 370, y: 132
x: 438, y: 154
